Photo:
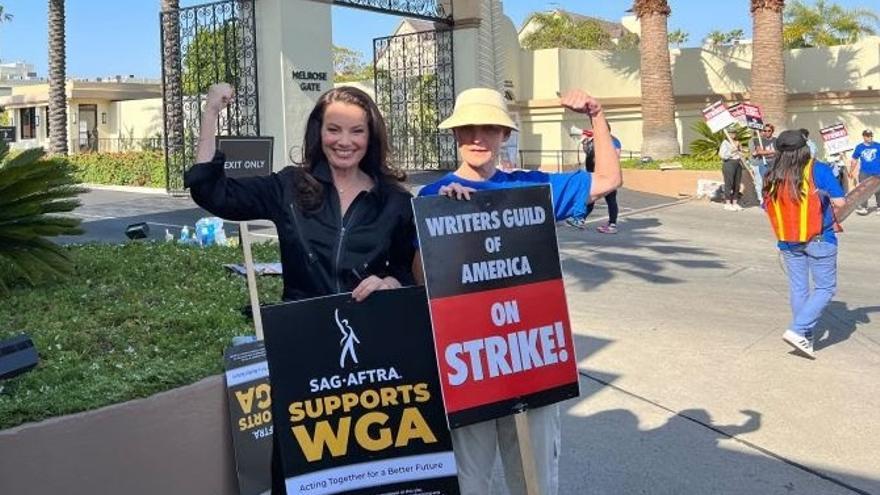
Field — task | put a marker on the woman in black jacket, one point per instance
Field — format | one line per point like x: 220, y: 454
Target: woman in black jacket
x: 344, y: 221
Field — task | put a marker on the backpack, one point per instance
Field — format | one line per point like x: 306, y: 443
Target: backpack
x: 589, y: 156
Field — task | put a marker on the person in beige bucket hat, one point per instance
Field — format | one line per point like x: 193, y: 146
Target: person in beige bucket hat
x: 481, y: 124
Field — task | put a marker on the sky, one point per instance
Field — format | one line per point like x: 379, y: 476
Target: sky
x: 110, y: 37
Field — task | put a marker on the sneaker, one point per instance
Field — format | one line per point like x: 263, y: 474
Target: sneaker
x: 878, y: 211
x: 862, y: 211
x: 728, y: 207
x: 801, y: 343
x: 608, y: 228
x: 576, y: 223
x: 736, y: 207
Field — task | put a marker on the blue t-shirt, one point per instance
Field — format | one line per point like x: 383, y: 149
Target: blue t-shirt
x: 571, y: 190
x: 616, y: 143
x: 869, y: 155
x: 828, y: 187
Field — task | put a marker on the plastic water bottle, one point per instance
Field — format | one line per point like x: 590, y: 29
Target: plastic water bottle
x: 184, y: 235
x: 168, y: 236
x: 220, y: 237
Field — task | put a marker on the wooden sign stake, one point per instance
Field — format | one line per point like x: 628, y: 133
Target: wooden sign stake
x: 526, y: 453
x: 251, y: 278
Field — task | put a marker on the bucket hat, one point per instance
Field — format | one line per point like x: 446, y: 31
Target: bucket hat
x: 479, y: 106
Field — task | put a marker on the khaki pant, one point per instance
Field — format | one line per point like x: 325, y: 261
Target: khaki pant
x: 476, y: 445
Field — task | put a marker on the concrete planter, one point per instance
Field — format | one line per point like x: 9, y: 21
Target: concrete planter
x: 173, y: 442
x: 674, y: 183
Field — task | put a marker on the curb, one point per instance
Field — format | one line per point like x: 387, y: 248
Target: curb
x: 130, y: 189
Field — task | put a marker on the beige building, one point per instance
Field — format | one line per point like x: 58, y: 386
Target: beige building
x: 824, y: 86
x: 102, y: 116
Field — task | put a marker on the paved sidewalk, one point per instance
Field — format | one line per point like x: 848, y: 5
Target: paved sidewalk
x: 687, y: 387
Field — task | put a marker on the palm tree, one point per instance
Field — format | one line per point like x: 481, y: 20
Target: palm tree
x: 57, y: 79
x: 768, y: 67
x: 659, y: 134
x: 4, y: 16
x: 825, y: 25
x: 678, y: 37
x: 172, y: 93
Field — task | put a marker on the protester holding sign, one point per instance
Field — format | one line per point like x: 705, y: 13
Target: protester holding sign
x: 799, y: 196
x: 344, y: 222
x: 763, y: 151
x: 481, y: 124
x: 731, y: 154
x: 867, y: 157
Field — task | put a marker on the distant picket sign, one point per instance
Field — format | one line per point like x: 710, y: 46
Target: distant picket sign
x: 718, y: 116
x: 836, y: 139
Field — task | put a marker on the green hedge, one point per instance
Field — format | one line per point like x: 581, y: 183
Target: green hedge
x: 686, y: 162
x: 130, y: 168
x: 135, y: 319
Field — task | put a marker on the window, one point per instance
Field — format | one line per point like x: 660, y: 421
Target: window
x: 28, y: 122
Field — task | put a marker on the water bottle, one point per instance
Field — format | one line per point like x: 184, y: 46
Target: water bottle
x: 168, y: 236
x: 184, y: 235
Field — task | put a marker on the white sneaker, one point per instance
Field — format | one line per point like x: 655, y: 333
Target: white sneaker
x: 736, y: 207
x: 728, y: 207
x: 862, y: 211
x: 800, y: 343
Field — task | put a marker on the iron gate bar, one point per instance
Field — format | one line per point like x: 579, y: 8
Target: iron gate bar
x: 414, y: 87
x: 216, y: 42
x: 429, y: 10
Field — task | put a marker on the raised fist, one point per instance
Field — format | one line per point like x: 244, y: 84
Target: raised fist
x: 580, y: 102
x: 219, y: 96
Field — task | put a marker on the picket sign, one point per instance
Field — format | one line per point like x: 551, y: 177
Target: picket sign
x: 836, y: 139
x: 248, y: 156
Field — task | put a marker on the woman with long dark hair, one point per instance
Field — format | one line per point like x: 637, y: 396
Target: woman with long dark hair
x: 344, y: 221
x: 800, y: 195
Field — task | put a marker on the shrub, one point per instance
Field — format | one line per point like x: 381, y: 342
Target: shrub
x: 706, y: 147
x: 32, y: 191
x: 130, y: 168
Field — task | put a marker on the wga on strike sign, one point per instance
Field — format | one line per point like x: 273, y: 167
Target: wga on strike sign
x: 497, y: 301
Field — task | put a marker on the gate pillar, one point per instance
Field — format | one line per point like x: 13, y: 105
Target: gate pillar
x: 295, y: 60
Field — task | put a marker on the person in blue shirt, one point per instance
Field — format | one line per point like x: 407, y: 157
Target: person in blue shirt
x: 481, y: 124
x: 815, y: 258
x: 867, y: 157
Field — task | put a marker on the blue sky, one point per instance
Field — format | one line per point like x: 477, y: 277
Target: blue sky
x: 109, y: 37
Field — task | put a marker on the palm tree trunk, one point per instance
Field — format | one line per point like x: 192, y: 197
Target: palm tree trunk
x: 659, y: 134
x: 58, y: 134
x: 172, y: 93
x: 768, y: 65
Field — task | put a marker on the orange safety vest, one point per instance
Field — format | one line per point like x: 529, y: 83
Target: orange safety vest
x: 796, y: 221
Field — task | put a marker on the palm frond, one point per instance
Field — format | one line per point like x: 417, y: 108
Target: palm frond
x: 33, y: 192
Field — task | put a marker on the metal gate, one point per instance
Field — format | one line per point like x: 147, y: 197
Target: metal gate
x: 202, y: 45
x: 415, y: 90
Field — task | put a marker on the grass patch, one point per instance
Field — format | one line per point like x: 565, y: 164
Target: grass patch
x: 136, y: 319
x: 686, y: 162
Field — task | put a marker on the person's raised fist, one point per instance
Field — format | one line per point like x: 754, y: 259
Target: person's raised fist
x: 579, y: 101
x: 219, y: 96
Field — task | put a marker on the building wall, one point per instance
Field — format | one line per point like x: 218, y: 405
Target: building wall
x: 825, y: 86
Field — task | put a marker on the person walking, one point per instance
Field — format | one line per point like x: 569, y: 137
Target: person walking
x: 800, y: 195
x: 866, y: 159
x: 610, y: 199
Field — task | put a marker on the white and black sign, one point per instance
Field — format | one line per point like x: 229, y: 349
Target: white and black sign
x: 356, y: 396
x: 718, y: 116
x: 309, y: 80
x: 836, y: 139
x: 497, y: 300
x: 7, y: 133
x: 250, y: 414
x: 246, y: 156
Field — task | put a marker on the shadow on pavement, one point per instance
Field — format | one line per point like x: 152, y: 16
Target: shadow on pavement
x: 619, y: 254
x: 609, y: 452
x: 839, y: 322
